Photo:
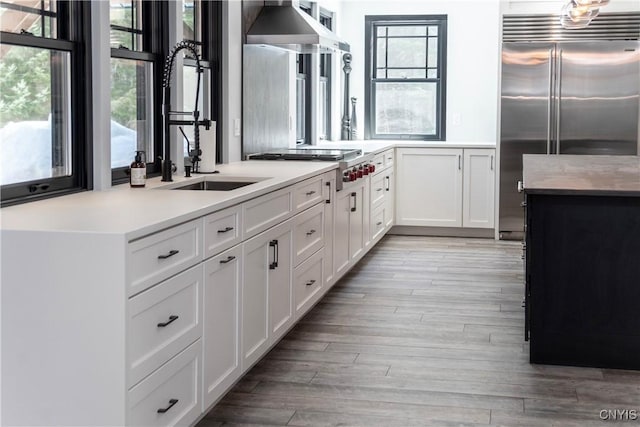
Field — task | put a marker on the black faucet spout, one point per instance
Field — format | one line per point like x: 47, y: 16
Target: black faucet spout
x: 167, y: 112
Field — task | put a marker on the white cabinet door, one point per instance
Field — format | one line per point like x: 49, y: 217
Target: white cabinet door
x: 280, y: 290
x: 479, y: 188
x: 329, y: 224
x: 429, y: 187
x: 341, y: 255
x: 256, y: 257
x: 221, y: 357
x: 389, y: 188
x: 358, y: 221
x: 267, y: 307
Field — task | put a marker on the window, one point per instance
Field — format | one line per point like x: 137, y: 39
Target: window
x: 137, y: 56
x: 201, y: 25
x: 324, y: 115
x: 405, y: 77
x: 303, y: 94
x: 44, y: 99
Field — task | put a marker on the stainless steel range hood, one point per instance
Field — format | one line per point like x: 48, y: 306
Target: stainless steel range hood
x: 285, y: 26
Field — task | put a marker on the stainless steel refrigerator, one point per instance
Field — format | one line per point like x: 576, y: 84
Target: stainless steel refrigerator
x: 564, y: 98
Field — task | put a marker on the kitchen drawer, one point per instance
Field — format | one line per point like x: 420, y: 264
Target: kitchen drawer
x: 158, y: 256
x: 389, y: 158
x: 378, y: 222
x: 308, y: 232
x: 266, y: 211
x: 162, y: 322
x: 307, y: 193
x: 378, y: 193
x: 171, y: 395
x: 222, y: 230
x: 378, y: 162
x: 308, y: 280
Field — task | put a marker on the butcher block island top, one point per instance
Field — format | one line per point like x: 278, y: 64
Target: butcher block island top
x: 584, y: 174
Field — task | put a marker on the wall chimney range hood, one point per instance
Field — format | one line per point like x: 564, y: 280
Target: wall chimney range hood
x: 281, y: 24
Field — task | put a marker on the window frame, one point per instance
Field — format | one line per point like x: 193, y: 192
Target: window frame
x: 210, y: 20
x: 73, y: 36
x: 371, y: 23
x: 325, y: 75
x: 304, y: 74
x: 154, y: 47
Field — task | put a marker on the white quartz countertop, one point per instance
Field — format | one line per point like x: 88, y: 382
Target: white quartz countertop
x: 136, y: 212
x: 581, y: 174
x: 376, y: 146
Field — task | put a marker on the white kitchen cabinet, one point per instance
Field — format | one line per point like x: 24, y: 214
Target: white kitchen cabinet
x: 329, y: 224
x: 267, y: 308
x: 430, y: 183
x: 443, y: 187
x: 308, y: 283
x: 351, y: 233
x: 221, y: 346
x: 479, y: 188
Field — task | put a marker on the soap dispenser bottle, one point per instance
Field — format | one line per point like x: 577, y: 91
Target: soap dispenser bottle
x: 138, y: 176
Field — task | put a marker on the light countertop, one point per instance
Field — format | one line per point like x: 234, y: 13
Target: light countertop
x: 136, y: 212
x: 581, y: 174
x: 376, y: 146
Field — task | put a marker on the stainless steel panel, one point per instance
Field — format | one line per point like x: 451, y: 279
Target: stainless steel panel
x: 598, y: 91
x: 525, y: 106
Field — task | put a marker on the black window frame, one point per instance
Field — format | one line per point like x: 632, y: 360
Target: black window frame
x: 210, y: 18
x: 73, y: 36
x: 326, y: 19
x: 303, y: 99
x: 371, y: 23
x: 154, y: 48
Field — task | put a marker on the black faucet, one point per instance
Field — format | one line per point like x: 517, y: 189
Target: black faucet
x: 167, y: 113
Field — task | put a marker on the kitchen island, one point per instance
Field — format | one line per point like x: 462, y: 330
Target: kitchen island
x: 583, y: 260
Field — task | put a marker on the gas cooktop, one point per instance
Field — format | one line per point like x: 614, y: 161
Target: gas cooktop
x: 328, y: 155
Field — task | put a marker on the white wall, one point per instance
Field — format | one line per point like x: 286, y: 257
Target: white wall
x: 473, y: 39
x: 509, y: 7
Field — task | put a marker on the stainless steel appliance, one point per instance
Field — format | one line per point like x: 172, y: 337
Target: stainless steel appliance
x: 573, y: 97
x: 346, y: 158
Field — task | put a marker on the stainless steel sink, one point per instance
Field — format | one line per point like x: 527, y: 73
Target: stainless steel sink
x: 215, y: 185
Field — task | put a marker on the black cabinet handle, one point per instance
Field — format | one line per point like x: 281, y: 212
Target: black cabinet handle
x: 379, y: 223
x: 225, y: 230
x: 310, y: 282
x: 388, y: 183
x: 274, y: 244
x: 171, y: 253
x: 328, y: 184
x: 310, y: 193
x: 355, y: 201
x: 172, y: 402
x: 310, y: 232
x: 172, y: 319
x: 378, y: 189
x: 229, y: 259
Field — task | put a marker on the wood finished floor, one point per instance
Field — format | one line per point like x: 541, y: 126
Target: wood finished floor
x: 423, y: 331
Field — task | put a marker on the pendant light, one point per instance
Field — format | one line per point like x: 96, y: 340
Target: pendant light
x: 579, y: 13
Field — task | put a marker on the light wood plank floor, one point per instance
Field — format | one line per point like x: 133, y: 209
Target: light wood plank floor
x: 423, y: 331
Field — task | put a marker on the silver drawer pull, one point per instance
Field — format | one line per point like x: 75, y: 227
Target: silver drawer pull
x: 229, y: 259
x: 379, y: 223
x: 171, y: 403
x: 310, y: 232
x: 227, y: 229
x: 378, y: 189
x: 379, y: 163
x: 169, y: 255
x: 310, y: 282
x: 172, y: 319
x: 310, y: 193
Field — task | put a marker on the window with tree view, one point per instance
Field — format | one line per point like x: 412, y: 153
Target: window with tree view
x: 136, y: 56
x: 406, y: 74
x: 42, y: 98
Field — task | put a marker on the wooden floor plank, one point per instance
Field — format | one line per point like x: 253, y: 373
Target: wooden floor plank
x: 423, y: 331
